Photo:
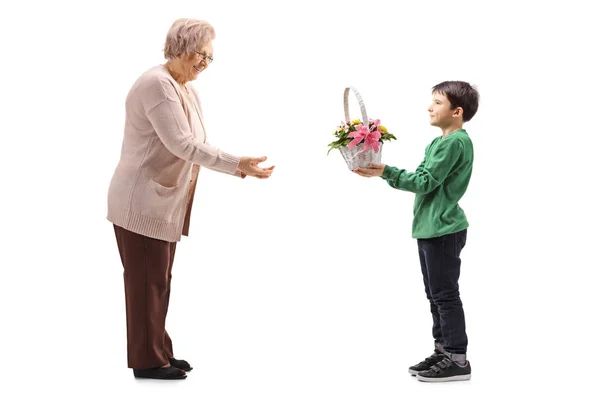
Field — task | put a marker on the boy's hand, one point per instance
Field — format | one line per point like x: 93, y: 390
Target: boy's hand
x: 373, y: 170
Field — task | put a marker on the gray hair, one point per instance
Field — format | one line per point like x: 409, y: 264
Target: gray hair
x: 186, y: 36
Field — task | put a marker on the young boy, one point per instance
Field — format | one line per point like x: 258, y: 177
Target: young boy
x: 440, y: 225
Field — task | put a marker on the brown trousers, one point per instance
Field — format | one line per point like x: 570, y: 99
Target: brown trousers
x: 147, y: 264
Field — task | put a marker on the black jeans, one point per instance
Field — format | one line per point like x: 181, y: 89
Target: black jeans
x: 440, y: 264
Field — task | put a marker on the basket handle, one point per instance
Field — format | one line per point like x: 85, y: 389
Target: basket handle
x: 361, y: 103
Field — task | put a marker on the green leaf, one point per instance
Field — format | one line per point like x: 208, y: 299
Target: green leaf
x: 388, y: 136
x: 335, y: 145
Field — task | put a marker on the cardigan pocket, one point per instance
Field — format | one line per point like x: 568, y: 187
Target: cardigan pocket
x: 163, y: 190
x: 164, y: 203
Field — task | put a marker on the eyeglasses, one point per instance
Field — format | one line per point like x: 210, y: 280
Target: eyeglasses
x: 205, y: 56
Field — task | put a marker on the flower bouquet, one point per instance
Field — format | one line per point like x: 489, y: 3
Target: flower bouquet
x: 359, y: 144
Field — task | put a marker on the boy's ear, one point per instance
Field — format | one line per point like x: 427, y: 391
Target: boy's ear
x: 458, y: 112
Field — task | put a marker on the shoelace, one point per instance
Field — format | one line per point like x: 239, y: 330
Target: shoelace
x: 442, y: 365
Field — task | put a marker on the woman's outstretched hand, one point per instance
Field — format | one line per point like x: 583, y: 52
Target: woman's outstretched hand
x: 248, y: 166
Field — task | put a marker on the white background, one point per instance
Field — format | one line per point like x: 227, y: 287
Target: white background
x: 306, y: 285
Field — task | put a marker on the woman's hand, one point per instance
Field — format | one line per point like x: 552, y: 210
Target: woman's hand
x: 249, y: 166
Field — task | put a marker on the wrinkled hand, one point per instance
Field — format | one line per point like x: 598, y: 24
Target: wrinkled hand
x: 248, y: 166
x: 375, y: 169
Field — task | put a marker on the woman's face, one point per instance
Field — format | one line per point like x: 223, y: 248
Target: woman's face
x: 197, y: 61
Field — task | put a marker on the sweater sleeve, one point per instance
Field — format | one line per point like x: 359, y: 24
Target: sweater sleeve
x: 237, y: 173
x: 430, y: 174
x: 163, y: 109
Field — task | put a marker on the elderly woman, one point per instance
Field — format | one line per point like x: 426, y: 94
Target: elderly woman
x: 152, y: 189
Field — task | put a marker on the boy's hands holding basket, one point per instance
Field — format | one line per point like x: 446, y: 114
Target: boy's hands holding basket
x: 375, y: 169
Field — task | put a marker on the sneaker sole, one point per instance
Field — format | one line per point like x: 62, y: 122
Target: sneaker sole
x: 447, y: 379
x: 413, y: 372
x: 162, y: 379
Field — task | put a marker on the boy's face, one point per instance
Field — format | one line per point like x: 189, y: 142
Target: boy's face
x: 440, y: 112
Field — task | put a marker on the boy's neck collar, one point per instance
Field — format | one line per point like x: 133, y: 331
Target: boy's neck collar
x: 451, y: 130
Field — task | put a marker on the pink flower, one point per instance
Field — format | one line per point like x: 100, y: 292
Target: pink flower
x: 371, y: 139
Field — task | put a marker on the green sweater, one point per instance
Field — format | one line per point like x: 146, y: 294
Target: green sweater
x: 439, y: 183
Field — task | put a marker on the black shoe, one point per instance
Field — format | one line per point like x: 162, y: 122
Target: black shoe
x: 181, y: 364
x: 446, y: 371
x: 426, y: 363
x: 160, y: 373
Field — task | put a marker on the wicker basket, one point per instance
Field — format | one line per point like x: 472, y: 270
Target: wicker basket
x: 358, y: 157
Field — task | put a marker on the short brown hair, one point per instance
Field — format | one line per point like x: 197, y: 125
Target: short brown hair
x: 460, y: 94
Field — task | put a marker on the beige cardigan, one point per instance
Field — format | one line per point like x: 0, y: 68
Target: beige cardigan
x: 164, y: 145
